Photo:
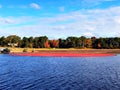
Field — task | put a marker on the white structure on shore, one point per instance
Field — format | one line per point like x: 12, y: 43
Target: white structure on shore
x: 13, y: 44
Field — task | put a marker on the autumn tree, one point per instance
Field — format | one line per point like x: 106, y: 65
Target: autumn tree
x: 54, y: 43
x: 88, y: 43
x: 69, y: 42
x: 46, y: 44
x: 39, y: 42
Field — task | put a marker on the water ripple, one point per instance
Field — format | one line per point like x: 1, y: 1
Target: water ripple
x: 59, y: 73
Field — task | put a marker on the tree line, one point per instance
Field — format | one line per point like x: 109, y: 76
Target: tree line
x: 69, y: 42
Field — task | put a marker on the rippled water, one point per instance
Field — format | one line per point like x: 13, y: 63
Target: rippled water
x: 59, y: 73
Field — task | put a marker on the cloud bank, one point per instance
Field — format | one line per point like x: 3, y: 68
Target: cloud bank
x: 95, y: 22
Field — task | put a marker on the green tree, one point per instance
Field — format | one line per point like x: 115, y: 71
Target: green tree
x: 36, y: 42
x: 25, y: 42
x: 42, y: 41
x: 62, y: 43
x: 83, y: 40
x: 2, y: 41
x: 13, y: 40
x: 30, y: 41
x: 39, y: 42
x: 71, y: 42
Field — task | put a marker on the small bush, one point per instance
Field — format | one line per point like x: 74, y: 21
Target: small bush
x: 33, y: 51
x: 5, y: 51
x: 24, y: 50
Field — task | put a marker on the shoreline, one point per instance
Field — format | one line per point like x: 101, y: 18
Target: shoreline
x: 69, y: 52
x: 63, y: 54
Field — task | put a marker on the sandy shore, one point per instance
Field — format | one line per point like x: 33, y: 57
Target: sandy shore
x: 64, y: 52
x: 109, y: 51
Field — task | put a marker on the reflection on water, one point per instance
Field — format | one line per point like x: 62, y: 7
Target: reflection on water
x: 59, y: 73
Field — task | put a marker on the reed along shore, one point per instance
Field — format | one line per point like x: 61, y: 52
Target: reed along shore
x: 68, y: 52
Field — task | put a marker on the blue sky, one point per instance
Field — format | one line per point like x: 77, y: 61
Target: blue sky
x: 60, y: 18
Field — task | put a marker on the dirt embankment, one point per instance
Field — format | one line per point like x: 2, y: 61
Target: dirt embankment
x: 109, y: 51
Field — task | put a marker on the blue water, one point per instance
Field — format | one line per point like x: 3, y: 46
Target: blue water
x: 59, y: 73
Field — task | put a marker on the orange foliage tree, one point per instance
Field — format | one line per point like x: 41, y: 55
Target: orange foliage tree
x: 54, y: 43
x: 88, y: 43
x: 46, y: 44
x: 99, y: 45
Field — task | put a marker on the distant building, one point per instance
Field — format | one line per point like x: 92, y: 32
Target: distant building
x: 13, y: 44
x: 1, y: 49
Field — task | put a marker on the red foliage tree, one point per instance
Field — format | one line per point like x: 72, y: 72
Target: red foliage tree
x: 99, y: 45
x: 47, y: 45
x: 54, y: 43
x: 88, y: 43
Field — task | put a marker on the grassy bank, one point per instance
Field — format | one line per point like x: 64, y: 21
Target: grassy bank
x: 71, y: 50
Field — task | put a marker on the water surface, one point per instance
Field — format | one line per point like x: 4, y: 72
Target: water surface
x: 59, y: 73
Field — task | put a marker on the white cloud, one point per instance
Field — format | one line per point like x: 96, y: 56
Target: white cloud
x: 35, y: 6
x: 88, y: 34
x: 8, y: 21
x: 117, y: 19
x: 98, y: 22
x: 102, y: 22
x: 4, y: 21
